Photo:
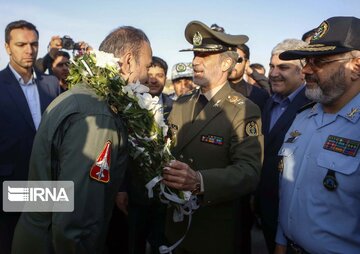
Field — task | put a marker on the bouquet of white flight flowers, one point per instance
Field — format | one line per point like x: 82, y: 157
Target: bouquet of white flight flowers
x: 148, y: 141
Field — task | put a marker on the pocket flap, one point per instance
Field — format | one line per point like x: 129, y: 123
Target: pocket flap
x: 338, y: 162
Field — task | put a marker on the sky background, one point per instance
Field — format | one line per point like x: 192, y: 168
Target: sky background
x: 265, y: 22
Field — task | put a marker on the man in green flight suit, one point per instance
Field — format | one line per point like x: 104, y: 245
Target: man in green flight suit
x: 78, y: 129
x: 219, y: 146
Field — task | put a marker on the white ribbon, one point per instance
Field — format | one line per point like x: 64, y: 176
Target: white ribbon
x: 151, y: 184
x: 183, y: 207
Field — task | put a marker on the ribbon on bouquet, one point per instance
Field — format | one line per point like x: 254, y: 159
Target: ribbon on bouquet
x: 183, y: 206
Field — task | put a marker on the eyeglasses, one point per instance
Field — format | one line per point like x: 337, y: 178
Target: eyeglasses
x: 317, y: 63
x: 240, y: 60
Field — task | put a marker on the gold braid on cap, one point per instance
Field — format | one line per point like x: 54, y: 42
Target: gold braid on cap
x: 316, y: 47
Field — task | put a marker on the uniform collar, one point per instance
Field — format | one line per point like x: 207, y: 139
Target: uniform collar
x: 351, y: 111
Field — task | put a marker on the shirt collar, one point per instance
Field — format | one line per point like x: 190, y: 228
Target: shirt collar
x: 20, y: 79
x: 278, y: 98
x: 210, y: 94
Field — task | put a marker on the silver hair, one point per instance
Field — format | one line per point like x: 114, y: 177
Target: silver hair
x: 289, y: 44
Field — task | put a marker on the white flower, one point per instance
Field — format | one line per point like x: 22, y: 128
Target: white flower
x: 134, y: 88
x: 146, y: 101
x: 138, y: 88
x: 127, y: 90
x: 159, y: 119
x: 104, y: 59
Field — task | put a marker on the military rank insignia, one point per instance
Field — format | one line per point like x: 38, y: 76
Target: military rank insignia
x: 235, y: 99
x: 211, y: 139
x: 353, y: 112
x: 100, y: 171
x: 293, y: 136
x: 341, y: 145
x: 252, y: 129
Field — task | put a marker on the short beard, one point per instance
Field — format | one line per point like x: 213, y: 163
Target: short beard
x: 330, y: 90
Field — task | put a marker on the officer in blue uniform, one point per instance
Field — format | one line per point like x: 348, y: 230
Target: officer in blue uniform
x: 319, y: 209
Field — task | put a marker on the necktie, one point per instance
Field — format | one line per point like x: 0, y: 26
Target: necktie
x: 200, y: 104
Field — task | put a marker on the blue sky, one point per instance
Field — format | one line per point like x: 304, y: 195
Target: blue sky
x: 266, y: 22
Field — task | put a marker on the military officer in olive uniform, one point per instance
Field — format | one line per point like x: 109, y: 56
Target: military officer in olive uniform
x: 82, y: 140
x: 218, y: 146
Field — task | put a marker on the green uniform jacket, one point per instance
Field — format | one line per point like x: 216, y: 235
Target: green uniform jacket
x: 224, y: 142
x: 77, y: 124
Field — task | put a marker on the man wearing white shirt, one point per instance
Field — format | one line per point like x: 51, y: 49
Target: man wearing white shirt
x: 24, y: 95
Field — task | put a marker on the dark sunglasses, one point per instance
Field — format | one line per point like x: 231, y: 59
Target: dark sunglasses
x: 240, y: 60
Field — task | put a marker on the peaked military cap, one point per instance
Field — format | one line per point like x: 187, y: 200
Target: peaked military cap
x: 182, y: 70
x: 333, y: 36
x: 205, y: 39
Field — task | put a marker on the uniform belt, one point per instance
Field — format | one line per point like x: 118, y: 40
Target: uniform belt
x: 294, y: 248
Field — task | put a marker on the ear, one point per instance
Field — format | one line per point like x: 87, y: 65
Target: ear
x: 7, y: 47
x: 125, y: 65
x: 355, y: 70
x: 226, y: 64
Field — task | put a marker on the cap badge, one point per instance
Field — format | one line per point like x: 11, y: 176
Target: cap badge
x: 100, y: 171
x: 197, y: 39
x: 320, y: 31
x: 180, y: 67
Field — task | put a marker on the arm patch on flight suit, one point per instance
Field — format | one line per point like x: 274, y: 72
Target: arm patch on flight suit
x: 252, y: 129
x: 100, y: 171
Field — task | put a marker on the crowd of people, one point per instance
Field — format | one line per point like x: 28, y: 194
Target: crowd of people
x: 279, y: 149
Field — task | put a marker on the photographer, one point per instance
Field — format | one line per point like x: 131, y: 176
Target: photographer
x: 56, y: 44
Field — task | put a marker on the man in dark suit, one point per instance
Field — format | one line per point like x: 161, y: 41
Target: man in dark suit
x: 156, y: 83
x: 259, y: 97
x: 279, y: 112
x: 24, y: 95
x: 254, y: 93
x: 218, y: 146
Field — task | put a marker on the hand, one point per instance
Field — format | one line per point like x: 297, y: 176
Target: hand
x: 122, y: 200
x: 54, y: 45
x: 180, y: 176
x: 84, y: 47
x: 280, y: 249
x: 248, y: 70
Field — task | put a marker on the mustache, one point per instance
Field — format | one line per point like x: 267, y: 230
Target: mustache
x: 311, y: 78
x: 276, y: 79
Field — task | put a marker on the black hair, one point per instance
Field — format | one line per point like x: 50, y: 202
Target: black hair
x: 157, y: 61
x: 257, y: 66
x: 19, y: 24
x: 244, y: 48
